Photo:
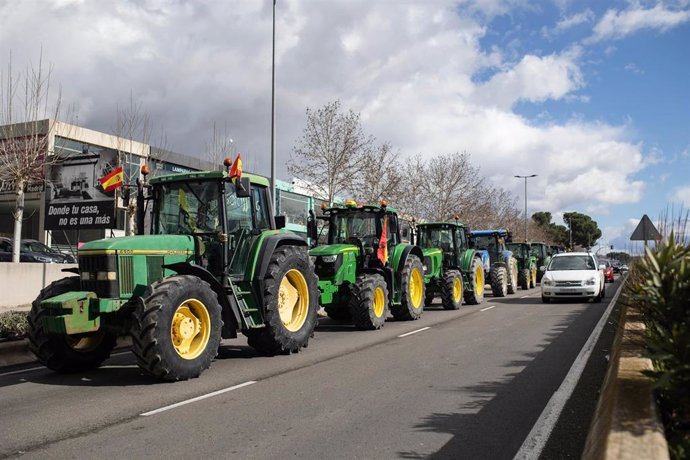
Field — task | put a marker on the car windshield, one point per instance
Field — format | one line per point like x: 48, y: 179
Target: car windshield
x: 572, y: 263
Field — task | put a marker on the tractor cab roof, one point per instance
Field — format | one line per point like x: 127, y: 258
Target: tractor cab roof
x: 499, y: 232
x: 205, y: 175
x: 441, y: 225
x: 351, y: 206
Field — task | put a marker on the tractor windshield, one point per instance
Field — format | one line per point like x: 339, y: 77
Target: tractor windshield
x: 348, y: 227
x: 188, y: 208
x: 484, y: 242
x: 519, y: 250
x: 441, y: 238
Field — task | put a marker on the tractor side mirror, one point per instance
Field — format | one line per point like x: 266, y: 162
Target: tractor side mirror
x: 280, y: 222
x: 243, y: 187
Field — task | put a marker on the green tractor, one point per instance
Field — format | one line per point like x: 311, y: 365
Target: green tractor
x: 214, y: 264
x: 498, y: 261
x: 527, y: 264
x: 365, y: 270
x: 543, y: 254
x: 452, y: 268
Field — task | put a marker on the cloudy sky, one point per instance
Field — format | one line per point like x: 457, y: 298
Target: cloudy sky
x: 593, y: 96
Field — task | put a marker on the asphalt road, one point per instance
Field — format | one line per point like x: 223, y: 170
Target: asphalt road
x: 468, y: 384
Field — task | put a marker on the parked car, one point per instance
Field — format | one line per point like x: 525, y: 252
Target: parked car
x: 573, y: 275
x: 608, y: 272
x: 34, y: 251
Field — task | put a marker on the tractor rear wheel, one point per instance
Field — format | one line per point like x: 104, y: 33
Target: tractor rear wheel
x: 369, y: 302
x: 476, y: 295
x: 499, y: 281
x: 412, y: 291
x: 66, y: 353
x: 524, y: 279
x: 451, y: 290
x: 512, y: 276
x: 176, y: 330
x: 291, y: 299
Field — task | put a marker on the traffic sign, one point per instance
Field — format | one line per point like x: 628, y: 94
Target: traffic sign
x: 645, y: 231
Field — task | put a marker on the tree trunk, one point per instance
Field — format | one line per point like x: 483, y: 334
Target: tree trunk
x: 18, y: 217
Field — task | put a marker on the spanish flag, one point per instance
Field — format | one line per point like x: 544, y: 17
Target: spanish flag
x: 112, y: 180
x: 236, y: 169
x: 382, y: 251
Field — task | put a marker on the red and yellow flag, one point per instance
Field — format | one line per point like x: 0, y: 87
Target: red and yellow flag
x: 112, y: 180
x: 236, y: 169
x: 382, y: 251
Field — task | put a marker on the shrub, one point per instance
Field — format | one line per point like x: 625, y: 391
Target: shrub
x: 13, y: 324
x: 660, y: 288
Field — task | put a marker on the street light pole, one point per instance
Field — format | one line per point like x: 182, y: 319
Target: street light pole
x: 273, y: 112
x: 526, y: 177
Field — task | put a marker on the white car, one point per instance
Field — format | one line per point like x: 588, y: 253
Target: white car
x: 573, y: 275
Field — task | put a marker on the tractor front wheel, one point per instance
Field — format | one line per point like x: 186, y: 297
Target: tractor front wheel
x: 499, y: 281
x: 412, y: 291
x: 291, y: 299
x: 66, y: 353
x: 475, y: 296
x: 451, y: 290
x: 369, y: 302
x: 176, y: 330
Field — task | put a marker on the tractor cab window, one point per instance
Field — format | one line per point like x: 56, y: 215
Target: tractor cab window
x: 188, y: 208
x: 239, y: 226
x: 351, y: 227
x: 441, y: 238
x: 261, y: 211
x: 536, y: 251
x: 461, y: 238
x: 518, y: 249
x: 484, y: 242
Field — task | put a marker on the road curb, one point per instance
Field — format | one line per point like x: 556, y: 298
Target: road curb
x: 626, y: 423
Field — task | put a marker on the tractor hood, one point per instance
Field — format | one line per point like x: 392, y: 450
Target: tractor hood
x: 332, y: 249
x: 430, y: 251
x: 141, y: 244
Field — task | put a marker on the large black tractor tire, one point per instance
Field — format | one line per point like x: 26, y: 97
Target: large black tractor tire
x: 176, y: 329
x: 412, y: 290
x: 66, y: 353
x: 451, y: 290
x: 512, y: 276
x: 291, y: 300
x: 369, y: 302
x: 499, y: 281
x: 475, y: 295
x: 524, y: 279
x: 338, y: 312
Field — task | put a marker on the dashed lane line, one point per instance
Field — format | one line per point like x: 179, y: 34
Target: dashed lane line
x: 414, y: 332
x: 198, y: 398
x: 488, y: 308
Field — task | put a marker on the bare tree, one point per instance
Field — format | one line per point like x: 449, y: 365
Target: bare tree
x: 28, y: 113
x: 331, y: 151
x: 133, y: 131
x: 380, y: 175
x: 411, y: 189
x: 220, y: 146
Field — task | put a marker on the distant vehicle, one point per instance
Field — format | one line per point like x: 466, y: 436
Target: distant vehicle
x: 573, y: 275
x: 34, y: 251
x: 624, y: 268
x: 608, y: 272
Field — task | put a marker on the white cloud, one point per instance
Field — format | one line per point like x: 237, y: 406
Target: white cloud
x: 682, y: 195
x: 410, y: 68
x: 618, y: 24
x: 569, y: 22
x: 633, y: 68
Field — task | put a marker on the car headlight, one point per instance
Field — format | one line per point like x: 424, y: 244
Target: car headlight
x: 591, y: 282
x: 329, y: 259
x: 547, y: 282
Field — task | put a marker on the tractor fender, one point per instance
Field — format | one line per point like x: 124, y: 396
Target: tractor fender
x: 230, y: 310
x: 486, y: 260
x: 400, y: 257
x: 268, y: 245
x: 467, y: 257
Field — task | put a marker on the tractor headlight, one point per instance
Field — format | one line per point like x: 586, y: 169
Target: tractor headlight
x: 85, y: 276
x: 329, y: 259
x: 106, y: 276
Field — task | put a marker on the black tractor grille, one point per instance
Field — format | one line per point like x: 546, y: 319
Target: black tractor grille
x: 93, y: 265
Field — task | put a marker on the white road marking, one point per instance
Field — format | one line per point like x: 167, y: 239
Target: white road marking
x: 20, y: 371
x: 198, y: 398
x: 539, y: 435
x: 525, y: 296
x: 488, y: 308
x: 414, y: 332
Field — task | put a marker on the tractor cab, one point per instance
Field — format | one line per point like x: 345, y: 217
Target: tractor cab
x: 452, y: 239
x: 491, y: 241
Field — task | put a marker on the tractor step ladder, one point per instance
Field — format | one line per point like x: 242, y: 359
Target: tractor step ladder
x: 245, y: 309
